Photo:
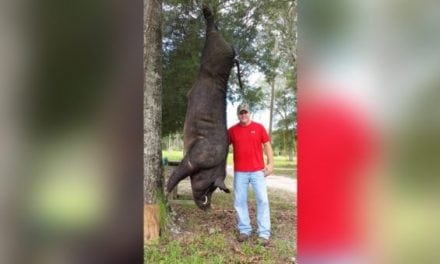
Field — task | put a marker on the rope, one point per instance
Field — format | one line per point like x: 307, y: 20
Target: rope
x: 237, y: 62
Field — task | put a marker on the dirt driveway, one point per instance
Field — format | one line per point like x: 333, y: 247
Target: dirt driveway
x: 274, y: 181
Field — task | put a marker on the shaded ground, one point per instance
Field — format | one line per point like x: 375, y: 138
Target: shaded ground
x: 195, y: 236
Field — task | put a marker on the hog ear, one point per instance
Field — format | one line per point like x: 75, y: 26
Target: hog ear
x: 221, y: 184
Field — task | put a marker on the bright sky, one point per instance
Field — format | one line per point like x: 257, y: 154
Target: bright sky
x: 261, y: 117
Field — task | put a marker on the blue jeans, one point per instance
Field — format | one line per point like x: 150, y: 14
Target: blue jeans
x: 258, y: 182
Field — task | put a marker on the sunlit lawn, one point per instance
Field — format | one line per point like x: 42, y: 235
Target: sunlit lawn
x: 283, y: 166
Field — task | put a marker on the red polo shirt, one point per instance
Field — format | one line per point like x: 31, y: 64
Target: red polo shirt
x: 248, y: 148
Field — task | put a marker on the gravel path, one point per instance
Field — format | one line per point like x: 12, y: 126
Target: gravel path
x: 274, y: 181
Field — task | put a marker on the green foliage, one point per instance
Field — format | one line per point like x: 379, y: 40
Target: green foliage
x: 182, y: 45
x: 261, y: 31
x: 285, y: 106
x: 281, y: 141
x: 69, y: 65
x: 323, y: 20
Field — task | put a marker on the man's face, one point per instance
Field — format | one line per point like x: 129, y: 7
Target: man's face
x: 244, y: 117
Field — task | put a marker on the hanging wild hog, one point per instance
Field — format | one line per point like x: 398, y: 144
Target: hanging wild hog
x: 205, y: 132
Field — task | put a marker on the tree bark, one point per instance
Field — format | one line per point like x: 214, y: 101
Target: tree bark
x: 284, y: 142
x: 272, y: 98
x: 294, y: 150
x: 153, y: 175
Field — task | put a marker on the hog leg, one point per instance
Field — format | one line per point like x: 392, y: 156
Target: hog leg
x: 220, y: 177
x: 201, y: 155
x: 210, y: 179
x: 182, y: 171
x: 207, y: 13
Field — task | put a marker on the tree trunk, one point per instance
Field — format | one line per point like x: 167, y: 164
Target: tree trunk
x: 291, y: 154
x: 272, y: 98
x: 295, y: 150
x: 153, y: 175
x: 284, y: 142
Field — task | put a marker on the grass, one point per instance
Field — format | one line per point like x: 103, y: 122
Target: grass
x: 211, y: 237
x: 283, y: 166
x: 174, y: 155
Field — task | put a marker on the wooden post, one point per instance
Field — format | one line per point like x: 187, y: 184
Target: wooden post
x: 151, y: 223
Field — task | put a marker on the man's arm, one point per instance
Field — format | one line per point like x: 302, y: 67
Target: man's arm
x: 267, y: 148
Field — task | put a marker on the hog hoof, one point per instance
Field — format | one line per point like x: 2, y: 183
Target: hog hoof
x: 207, y: 13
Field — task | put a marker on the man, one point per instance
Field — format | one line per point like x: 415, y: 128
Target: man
x: 249, y: 140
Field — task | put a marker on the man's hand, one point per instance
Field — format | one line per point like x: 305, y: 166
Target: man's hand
x: 267, y: 148
x: 268, y: 170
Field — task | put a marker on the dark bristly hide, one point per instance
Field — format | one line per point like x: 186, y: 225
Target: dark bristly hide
x: 205, y: 132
